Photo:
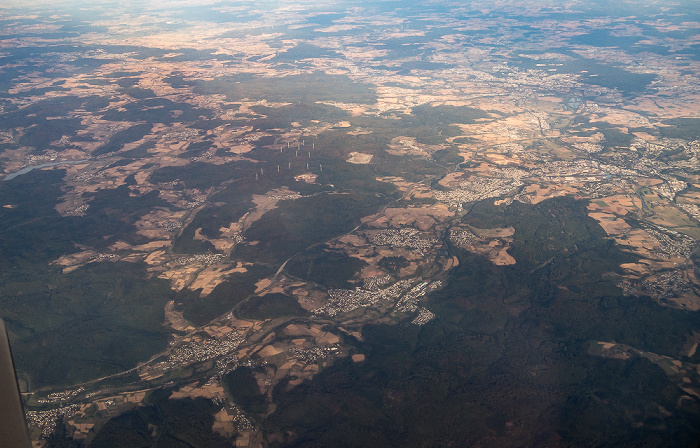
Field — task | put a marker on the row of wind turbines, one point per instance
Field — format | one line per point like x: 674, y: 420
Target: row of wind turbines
x: 261, y: 172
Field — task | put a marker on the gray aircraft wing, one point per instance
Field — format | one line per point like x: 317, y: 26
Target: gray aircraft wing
x: 13, y: 426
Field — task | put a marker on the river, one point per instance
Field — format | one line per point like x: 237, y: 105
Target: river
x: 27, y: 169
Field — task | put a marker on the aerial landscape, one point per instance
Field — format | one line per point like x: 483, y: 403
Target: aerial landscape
x: 357, y: 224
